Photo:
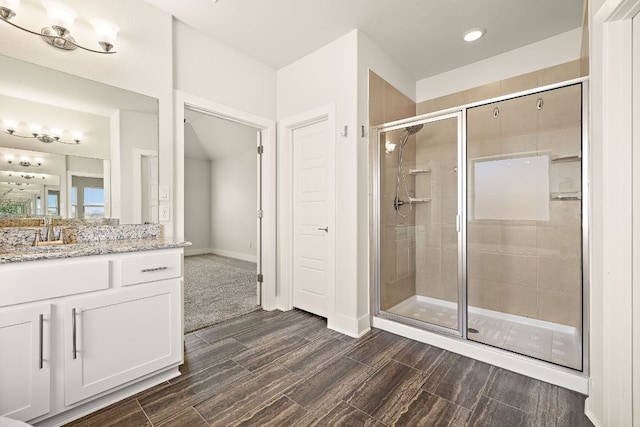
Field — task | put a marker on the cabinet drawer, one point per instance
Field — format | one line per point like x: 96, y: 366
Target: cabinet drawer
x: 31, y: 281
x: 150, y: 267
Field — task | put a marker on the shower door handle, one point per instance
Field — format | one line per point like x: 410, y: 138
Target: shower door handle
x: 325, y: 229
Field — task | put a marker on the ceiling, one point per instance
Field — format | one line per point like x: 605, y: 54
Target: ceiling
x: 209, y: 137
x: 423, y: 36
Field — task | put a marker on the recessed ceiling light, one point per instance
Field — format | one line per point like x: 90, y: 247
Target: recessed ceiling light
x: 474, y: 34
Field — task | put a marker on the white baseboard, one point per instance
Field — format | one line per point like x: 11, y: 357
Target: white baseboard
x: 221, y: 252
x: 236, y: 255
x: 196, y: 251
x: 349, y: 326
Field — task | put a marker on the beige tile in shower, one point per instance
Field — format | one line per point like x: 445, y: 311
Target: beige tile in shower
x: 519, y: 270
x: 429, y: 284
x: 520, y: 239
x: 483, y: 266
x: 560, y: 141
x: 449, y: 266
x: 449, y: 209
x: 484, y: 294
x: 519, y: 83
x: 558, y: 241
x: 520, y: 300
x: 562, y: 108
x: 428, y: 106
x: 560, y: 274
x: 449, y: 235
x: 376, y: 99
x: 518, y: 116
x: 484, y: 233
x: 480, y: 93
x: 521, y: 145
x: 560, y: 307
x: 454, y: 99
x: 481, y: 123
x: 559, y: 73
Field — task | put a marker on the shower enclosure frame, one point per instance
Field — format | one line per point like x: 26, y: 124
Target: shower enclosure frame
x: 456, y: 340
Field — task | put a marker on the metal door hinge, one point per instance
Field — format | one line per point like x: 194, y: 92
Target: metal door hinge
x: 261, y: 150
x: 260, y: 213
x: 260, y: 278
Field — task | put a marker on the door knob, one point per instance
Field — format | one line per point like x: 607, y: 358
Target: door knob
x: 325, y: 229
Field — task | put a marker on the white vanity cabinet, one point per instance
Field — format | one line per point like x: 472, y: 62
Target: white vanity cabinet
x: 90, y: 339
x: 114, y: 337
x: 24, y: 361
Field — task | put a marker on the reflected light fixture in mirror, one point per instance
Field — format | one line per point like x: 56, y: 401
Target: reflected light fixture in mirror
x: 24, y: 161
x: 54, y: 134
x: 61, y: 19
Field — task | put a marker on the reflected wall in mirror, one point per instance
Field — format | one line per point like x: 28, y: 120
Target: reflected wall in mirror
x: 112, y: 171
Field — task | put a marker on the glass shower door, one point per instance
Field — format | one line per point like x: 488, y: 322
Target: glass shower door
x: 419, y: 198
x: 524, y: 225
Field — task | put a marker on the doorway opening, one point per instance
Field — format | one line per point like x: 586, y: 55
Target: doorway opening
x: 222, y: 198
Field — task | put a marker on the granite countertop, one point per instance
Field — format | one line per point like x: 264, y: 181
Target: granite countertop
x: 9, y: 254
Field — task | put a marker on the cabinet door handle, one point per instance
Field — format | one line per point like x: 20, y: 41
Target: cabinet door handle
x: 74, y: 333
x: 41, y: 343
x: 325, y: 229
x: 150, y: 270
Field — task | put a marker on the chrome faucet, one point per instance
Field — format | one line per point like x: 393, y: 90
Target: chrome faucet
x: 48, y: 223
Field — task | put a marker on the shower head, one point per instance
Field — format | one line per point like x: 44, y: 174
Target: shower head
x: 414, y: 129
x: 408, y: 131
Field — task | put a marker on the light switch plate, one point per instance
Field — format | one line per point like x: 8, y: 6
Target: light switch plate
x: 164, y: 194
x: 165, y: 213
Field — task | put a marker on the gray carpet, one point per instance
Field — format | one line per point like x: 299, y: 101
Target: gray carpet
x: 217, y: 288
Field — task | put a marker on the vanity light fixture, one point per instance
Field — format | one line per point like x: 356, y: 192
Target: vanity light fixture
x: 24, y: 161
x: 61, y: 18
x: 54, y: 134
x: 27, y: 176
x: 474, y: 34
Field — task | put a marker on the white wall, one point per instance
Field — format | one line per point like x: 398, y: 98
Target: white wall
x: 197, y: 205
x: 143, y: 63
x: 214, y: 71
x: 546, y: 53
x: 234, y: 207
x: 329, y: 75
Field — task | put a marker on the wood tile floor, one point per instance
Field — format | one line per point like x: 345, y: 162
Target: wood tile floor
x: 288, y: 369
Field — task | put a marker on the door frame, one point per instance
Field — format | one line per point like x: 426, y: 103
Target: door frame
x: 614, y: 392
x: 138, y: 154
x: 267, y: 129
x: 286, y: 129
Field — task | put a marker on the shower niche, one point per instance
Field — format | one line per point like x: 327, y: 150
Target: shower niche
x: 480, y: 227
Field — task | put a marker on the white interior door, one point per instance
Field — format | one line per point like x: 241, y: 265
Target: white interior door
x: 311, y: 251
x: 150, y: 181
x: 636, y: 215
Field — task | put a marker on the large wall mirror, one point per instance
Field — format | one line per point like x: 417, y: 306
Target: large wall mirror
x: 111, y: 172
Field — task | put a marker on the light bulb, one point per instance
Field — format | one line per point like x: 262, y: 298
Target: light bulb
x: 12, y: 5
x: 11, y: 125
x: 38, y: 160
x: 9, y: 158
x: 389, y: 147
x: 77, y: 136
x: 474, y: 34
x: 56, y: 132
x: 59, y: 14
x: 35, y: 128
x: 105, y: 30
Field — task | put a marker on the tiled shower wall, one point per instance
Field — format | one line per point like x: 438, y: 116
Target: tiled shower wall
x: 436, y: 235
x: 397, y: 235
x: 387, y: 104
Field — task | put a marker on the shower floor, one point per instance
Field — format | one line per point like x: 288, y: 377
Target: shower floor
x: 552, y: 342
